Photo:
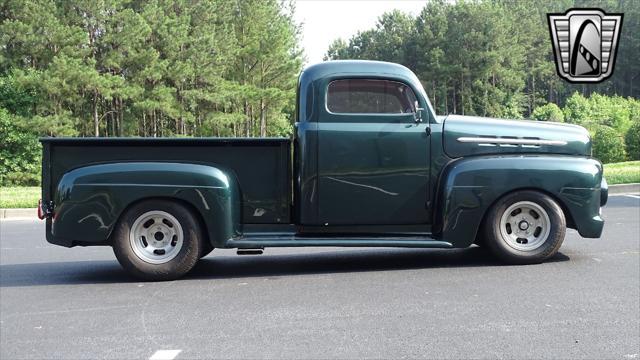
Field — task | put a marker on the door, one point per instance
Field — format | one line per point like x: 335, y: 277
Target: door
x: 373, y: 156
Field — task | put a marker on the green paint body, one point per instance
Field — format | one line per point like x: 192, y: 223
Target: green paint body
x: 352, y: 180
x: 93, y: 197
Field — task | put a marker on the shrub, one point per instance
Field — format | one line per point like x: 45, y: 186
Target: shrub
x: 548, y: 112
x: 577, y: 110
x: 612, y: 111
x: 632, y: 141
x: 20, y: 153
x: 608, y: 145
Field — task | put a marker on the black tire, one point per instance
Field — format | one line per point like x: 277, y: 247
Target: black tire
x: 504, y: 249
x: 184, y: 259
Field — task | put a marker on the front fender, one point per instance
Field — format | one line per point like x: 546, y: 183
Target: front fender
x: 90, y: 200
x: 470, y: 186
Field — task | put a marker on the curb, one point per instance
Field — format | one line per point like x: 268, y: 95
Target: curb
x: 19, y: 213
x: 624, y: 189
x: 32, y: 213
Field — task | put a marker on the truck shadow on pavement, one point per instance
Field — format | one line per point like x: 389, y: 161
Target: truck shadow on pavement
x: 233, y: 267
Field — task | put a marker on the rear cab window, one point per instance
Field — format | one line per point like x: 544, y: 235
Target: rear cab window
x: 370, y: 96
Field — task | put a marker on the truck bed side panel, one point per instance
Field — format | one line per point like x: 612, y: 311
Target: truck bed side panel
x: 262, y: 166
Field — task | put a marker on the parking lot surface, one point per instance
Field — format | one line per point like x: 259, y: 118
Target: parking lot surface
x: 326, y: 302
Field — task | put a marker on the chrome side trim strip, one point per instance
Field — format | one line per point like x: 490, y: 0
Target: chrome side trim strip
x: 482, y: 140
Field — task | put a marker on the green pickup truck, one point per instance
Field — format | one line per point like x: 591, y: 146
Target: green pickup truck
x: 369, y: 164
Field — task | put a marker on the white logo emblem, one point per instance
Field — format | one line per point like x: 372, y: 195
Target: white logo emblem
x: 585, y: 43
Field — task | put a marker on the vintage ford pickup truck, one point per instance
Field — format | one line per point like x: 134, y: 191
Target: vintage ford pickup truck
x: 370, y: 164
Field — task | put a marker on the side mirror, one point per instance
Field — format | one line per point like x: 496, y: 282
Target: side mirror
x: 417, y: 115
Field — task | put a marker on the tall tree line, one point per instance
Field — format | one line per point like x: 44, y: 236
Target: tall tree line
x: 149, y: 68
x: 492, y: 57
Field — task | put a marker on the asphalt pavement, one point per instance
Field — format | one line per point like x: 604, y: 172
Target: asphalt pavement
x: 326, y: 302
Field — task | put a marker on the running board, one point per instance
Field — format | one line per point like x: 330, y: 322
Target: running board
x: 253, y: 242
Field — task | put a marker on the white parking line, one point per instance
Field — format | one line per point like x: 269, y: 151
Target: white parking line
x: 165, y: 355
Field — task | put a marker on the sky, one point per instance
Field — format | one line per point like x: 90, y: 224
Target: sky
x: 326, y: 20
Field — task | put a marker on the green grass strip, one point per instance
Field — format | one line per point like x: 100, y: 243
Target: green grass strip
x: 622, y: 173
x: 19, y: 197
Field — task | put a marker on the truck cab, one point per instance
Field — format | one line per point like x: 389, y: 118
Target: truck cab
x: 363, y: 146
x: 369, y: 164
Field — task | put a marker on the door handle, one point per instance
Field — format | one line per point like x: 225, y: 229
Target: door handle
x: 427, y: 130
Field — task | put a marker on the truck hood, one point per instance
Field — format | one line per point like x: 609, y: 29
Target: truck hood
x: 470, y: 135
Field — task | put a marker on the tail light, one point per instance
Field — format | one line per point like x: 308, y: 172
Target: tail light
x: 40, y: 211
x: 45, y: 209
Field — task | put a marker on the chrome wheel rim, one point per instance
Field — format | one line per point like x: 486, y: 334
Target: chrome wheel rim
x: 525, y: 226
x: 156, y: 237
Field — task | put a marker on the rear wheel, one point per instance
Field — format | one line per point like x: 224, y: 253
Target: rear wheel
x: 525, y: 227
x: 157, y: 240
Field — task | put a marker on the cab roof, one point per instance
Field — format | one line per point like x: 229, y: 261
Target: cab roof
x: 314, y: 79
x: 356, y: 67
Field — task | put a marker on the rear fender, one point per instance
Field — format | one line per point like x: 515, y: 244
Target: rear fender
x: 470, y: 186
x: 90, y: 200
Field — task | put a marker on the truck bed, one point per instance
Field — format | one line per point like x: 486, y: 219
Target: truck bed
x: 262, y: 166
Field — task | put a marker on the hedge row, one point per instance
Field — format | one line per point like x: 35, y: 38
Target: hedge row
x: 20, y: 153
x: 613, y: 122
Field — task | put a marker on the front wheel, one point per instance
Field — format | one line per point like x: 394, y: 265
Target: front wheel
x: 525, y: 227
x: 157, y: 240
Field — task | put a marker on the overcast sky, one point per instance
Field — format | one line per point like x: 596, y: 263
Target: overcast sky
x: 326, y: 20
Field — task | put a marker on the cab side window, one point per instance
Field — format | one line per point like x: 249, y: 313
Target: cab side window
x: 369, y: 96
